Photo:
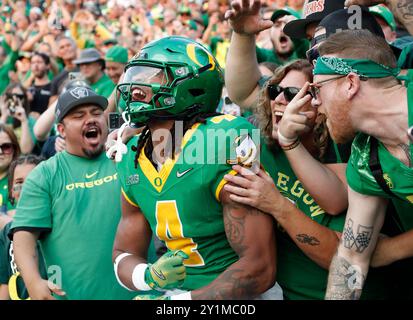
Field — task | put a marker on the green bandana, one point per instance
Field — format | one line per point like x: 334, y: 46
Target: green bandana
x: 363, y: 67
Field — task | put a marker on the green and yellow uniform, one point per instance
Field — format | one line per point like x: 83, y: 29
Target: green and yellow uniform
x: 181, y: 201
x: 73, y: 202
x: 104, y: 86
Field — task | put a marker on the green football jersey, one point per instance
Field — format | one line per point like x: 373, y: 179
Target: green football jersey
x: 181, y: 201
x: 74, y: 202
x: 397, y: 175
x: 299, y: 276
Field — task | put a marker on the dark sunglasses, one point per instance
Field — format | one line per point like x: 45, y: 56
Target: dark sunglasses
x: 7, y: 148
x: 289, y: 92
x: 17, y: 95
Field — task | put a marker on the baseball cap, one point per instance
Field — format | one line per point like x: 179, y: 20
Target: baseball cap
x: 286, y: 11
x: 338, y: 20
x: 117, y: 54
x: 76, y: 97
x: 384, y: 13
x: 313, y: 11
x: 88, y: 56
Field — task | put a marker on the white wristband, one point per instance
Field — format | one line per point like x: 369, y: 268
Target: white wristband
x: 283, y: 141
x: 138, y: 277
x: 116, y: 265
x: 182, y: 296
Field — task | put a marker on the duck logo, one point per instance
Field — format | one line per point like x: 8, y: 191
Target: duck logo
x: 79, y: 92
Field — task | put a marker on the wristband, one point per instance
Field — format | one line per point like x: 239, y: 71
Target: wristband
x: 138, y: 277
x: 291, y: 146
x: 116, y: 265
x: 182, y: 296
x: 283, y: 141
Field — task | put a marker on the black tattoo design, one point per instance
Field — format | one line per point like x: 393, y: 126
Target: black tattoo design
x: 405, y: 8
x: 360, y: 240
x: 232, y: 284
x: 345, y: 281
x: 305, y: 238
x: 234, y: 228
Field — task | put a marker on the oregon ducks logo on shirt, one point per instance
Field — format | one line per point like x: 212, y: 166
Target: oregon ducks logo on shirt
x: 91, y: 184
x: 157, y: 181
x: 389, y: 182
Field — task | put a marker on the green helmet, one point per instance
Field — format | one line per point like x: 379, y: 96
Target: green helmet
x: 171, y: 78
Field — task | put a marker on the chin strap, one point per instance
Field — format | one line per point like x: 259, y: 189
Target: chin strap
x: 116, y: 147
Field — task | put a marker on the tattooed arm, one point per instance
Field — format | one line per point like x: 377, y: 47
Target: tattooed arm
x: 251, y: 235
x: 318, y: 242
x: 348, y: 270
x: 402, y: 9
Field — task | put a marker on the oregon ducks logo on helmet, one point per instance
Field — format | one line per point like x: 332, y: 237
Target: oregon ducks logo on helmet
x: 200, y: 56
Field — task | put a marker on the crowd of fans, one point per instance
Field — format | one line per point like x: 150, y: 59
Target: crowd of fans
x: 47, y: 47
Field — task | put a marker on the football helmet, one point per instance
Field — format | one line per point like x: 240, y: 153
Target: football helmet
x: 171, y: 78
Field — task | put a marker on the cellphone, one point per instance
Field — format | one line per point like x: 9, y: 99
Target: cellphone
x: 115, y: 120
x: 75, y: 76
x: 410, y: 133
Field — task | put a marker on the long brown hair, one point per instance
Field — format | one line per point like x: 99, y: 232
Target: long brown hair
x: 9, y: 131
x: 262, y: 109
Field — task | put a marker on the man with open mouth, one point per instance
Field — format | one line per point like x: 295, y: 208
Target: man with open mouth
x: 65, y: 204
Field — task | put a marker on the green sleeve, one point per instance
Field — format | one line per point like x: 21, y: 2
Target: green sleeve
x: 4, y: 254
x: 35, y: 207
x: 300, y: 47
x: 125, y: 172
x: 32, y: 122
x: 8, y: 65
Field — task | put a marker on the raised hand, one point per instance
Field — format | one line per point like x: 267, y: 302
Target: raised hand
x: 295, y: 120
x: 245, y: 17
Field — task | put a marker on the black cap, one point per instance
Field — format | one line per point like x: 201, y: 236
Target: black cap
x: 338, y: 20
x: 75, y: 97
x: 313, y: 11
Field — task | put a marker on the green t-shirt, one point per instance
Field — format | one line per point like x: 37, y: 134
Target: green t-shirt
x: 398, y: 176
x: 74, y: 201
x: 104, y: 86
x: 299, y: 276
x: 8, y: 266
x: 7, y: 66
x: 5, y: 204
x: 181, y: 201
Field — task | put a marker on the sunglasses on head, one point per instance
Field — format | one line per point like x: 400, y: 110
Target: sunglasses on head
x: 7, y: 148
x: 312, y: 55
x: 289, y: 92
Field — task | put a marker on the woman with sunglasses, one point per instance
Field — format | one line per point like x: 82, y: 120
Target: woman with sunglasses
x: 310, y: 193
x: 14, y: 107
x: 9, y: 151
x: 10, y: 286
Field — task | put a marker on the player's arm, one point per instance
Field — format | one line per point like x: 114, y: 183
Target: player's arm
x: 132, y: 237
x: 251, y: 235
x: 318, y: 242
x: 348, y: 270
x: 130, y: 250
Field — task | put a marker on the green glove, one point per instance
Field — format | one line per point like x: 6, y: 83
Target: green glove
x: 168, y: 272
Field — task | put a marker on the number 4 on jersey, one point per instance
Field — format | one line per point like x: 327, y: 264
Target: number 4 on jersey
x: 169, y: 229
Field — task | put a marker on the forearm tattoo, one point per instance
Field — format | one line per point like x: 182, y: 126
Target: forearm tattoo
x: 405, y: 7
x: 345, y: 281
x: 232, y: 284
x: 307, y: 239
x: 359, y: 240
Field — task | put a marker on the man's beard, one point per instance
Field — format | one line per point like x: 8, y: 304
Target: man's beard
x: 92, y: 154
x: 341, y: 129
